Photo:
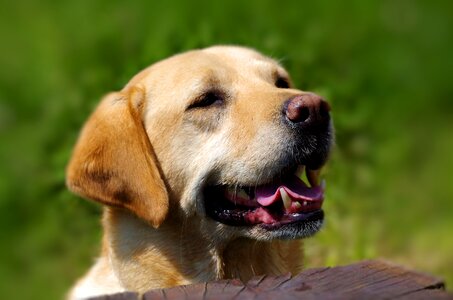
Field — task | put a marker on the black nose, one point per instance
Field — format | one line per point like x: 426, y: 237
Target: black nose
x: 307, y: 109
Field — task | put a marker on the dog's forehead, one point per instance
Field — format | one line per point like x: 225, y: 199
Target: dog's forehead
x: 239, y: 54
x: 197, y: 65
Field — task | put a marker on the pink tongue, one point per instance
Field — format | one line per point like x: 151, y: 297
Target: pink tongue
x: 294, y: 186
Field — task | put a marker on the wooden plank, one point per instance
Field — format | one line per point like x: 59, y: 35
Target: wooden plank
x: 427, y: 294
x: 120, y: 296
x: 373, y: 279
x: 228, y: 289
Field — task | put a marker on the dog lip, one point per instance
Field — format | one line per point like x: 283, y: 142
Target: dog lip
x: 307, y: 220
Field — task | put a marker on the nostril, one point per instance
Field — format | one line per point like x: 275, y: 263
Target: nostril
x: 296, y: 111
x: 303, y: 114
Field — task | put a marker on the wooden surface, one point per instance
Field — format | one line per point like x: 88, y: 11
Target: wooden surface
x: 364, y: 280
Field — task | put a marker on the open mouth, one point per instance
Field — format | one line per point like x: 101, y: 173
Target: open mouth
x: 287, y: 200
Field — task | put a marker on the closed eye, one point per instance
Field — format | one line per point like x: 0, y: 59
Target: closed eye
x: 208, y: 99
x: 282, y: 83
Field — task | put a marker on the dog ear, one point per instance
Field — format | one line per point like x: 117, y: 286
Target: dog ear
x: 113, y: 161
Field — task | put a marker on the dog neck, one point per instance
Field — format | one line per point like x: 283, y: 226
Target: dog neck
x: 144, y: 258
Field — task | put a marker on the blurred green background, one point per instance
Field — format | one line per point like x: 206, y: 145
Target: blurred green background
x: 385, y: 66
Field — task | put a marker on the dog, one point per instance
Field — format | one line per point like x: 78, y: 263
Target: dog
x: 200, y: 163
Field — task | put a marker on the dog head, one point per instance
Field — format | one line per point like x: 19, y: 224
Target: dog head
x: 218, y: 134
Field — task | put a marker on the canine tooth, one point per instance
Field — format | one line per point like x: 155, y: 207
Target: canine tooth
x: 300, y: 171
x: 231, y: 191
x: 297, y: 205
x: 243, y: 194
x: 286, y: 199
x: 313, y: 177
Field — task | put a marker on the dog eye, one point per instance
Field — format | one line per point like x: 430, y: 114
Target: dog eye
x: 212, y: 98
x: 282, y: 83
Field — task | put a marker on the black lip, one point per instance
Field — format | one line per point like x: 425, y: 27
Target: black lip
x: 304, y: 219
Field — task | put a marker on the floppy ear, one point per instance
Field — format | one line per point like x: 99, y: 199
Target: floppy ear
x: 113, y: 161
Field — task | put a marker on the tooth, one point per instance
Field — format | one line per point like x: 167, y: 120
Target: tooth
x: 231, y: 191
x: 300, y: 171
x: 286, y: 199
x: 297, y: 205
x: 305, y: 203
x: 242, y: 194
x: 313, y: 177
x: 323, y: 184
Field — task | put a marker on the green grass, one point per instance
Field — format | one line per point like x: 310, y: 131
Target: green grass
x: 386, y: 67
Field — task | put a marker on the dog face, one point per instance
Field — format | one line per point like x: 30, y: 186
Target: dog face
x: 214, y: 134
